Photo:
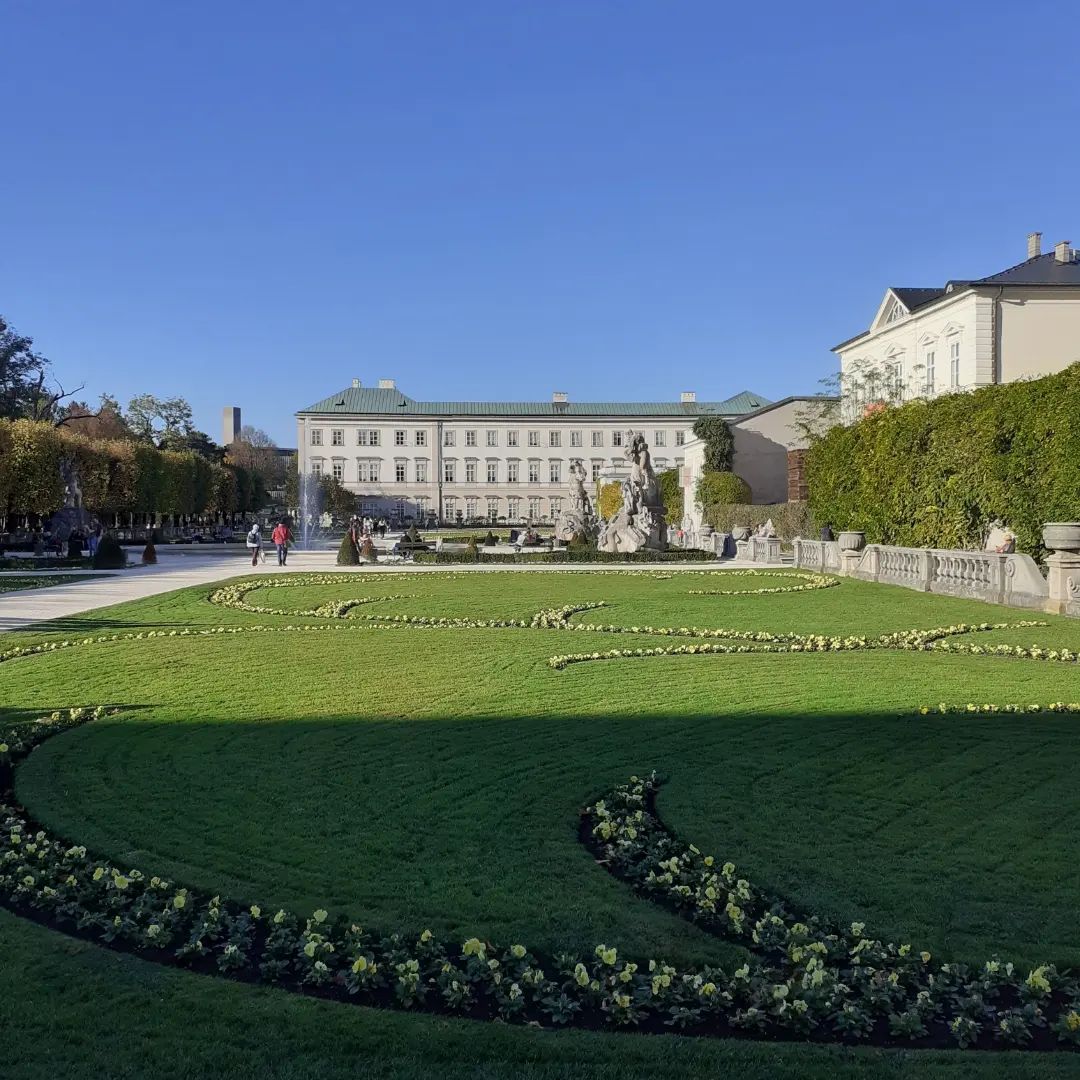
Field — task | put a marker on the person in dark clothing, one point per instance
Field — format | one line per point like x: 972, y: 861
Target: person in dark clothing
x: 827, y: 533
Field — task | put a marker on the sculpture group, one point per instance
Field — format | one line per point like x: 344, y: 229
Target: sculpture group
x: 639, y: 522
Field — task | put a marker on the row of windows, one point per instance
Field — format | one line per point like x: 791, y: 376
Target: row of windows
x: 456, y: 509
x: 371, y: 436
x: 929, y: 370
x: 368, y: 472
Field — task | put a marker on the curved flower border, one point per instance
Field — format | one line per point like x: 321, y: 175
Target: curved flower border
x: 811, y: 581
x: 804, y: 979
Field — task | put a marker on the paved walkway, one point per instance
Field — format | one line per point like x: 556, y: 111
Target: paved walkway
x: 19, y: 610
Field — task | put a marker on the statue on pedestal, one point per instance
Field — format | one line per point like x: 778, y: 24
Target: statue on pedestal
x: 578, y: 519
x: 639, y: 523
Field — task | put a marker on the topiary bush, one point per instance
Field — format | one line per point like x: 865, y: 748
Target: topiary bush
x: 149, y: 555
x: 348, y: 555
x: 671, y: 493
x: 936, y: 473
x: 609, y: 501
x: 109, y: 555
x: 721, y: 488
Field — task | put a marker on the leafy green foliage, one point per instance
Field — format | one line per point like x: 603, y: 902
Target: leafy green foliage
x: 610, y: 500
x: 715, y: 488
x: 936, y: 473
x: 791, y: 519
x: 672, y: 493
x: 719, y: 442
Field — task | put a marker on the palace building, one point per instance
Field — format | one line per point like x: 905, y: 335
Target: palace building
x: 471, y: 461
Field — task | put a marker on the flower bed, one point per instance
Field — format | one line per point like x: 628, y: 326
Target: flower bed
x: 805, y: 979
x: 810, y: 581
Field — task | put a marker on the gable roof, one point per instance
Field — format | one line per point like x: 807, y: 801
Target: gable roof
x: 917, y: 297
x: 379, y: 401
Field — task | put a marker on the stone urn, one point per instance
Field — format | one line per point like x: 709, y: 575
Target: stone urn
x: 1062, y: 536
x: 740, y: 532
x: 851, y: 540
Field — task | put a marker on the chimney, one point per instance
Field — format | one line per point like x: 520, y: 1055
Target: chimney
x: 559, y: 397
x: 230, y: 425
x: 386, y: 384
x: 1063, y: 252
x: 356, y: 384
x: 688, y: 397
x: 1034, y: 244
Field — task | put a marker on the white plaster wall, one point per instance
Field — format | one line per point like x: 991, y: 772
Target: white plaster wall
x: 761, y: 446
x: 1040, y: 332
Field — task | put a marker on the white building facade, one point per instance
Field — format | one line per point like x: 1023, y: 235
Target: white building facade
x: 483, y: 461
x: 1023, y: 322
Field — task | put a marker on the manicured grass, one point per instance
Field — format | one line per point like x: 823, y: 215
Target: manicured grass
x: 41, y: 581
x: 431, y: 778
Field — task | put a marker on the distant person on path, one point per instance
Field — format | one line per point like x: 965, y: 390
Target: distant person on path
x: 382, y: 528
x: 95, y: 539
x: 280, y: 538
x: 254, y: 544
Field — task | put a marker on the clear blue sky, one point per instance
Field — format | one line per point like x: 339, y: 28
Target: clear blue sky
x: 254, y: 203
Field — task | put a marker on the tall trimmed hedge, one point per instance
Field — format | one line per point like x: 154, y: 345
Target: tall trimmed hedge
x: 936, y: 473
x: 116, y: 476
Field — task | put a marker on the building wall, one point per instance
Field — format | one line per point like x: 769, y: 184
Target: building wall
x: 762, y: 443
x: 1039, y: 332
x: 439, y: 443
x: 963, y: 322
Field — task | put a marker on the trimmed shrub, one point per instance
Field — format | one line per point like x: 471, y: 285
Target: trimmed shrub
x: 791, y: 518
x: 149, y: 555
x: 671, y: 493
x: 568, y: 555
x: 109, y: 555
x: 721, y: 488
x: 348, y: 555
x: 936, y: 473
x: 609, y: 501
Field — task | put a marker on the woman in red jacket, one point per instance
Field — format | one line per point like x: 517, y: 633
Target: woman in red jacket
x: 280, y: 538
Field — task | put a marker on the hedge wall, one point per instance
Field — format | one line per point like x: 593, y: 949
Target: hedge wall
x: 565, y: 556
x: 791, y: 519
x: 936, y: 473
x: 116, y: 476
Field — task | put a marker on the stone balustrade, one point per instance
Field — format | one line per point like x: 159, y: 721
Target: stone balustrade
x: 1013, y: 579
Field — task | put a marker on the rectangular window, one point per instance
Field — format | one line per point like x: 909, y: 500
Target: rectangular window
x: 470, y: 472
x: 512, y: 472
x: 616, y: 438
x: 399, y: 437
x: 680, y: 438
x: 316, y: 437
x: 554, y: 471
x: 337, y: 436
x: 367, y: 472
x: 492, y: 509
x: 658, y: 438
x: 449, y: 471
x: 399, y: 472
x: 367, y: 437
x: 534, y: 438
x: 534, y: 472
x: 421, y: 472
x: 598, y: 438
x: 513, y: 508
x: 470, y: 508
x: 338, y: 470
x: 554, y: 438
x: 954, y: 363
x: 575, y: 438
x: 492, y: 438
x: 421, y: 438
x: 930, y: 359
x: 449, y: 507
x: 449, y: 438
x: 512, y: 438
x: 470, y: 438
x: 421, y: 506
x: 556, y: 508
x: 534, y: 509
x: 492, y: 472
x: 596, y: 467
x: 316, y: 468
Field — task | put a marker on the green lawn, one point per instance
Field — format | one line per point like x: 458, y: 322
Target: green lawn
x: 432, y: 778
x: 39, y: 581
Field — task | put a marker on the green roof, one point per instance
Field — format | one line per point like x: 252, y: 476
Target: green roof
x: 379, y: 401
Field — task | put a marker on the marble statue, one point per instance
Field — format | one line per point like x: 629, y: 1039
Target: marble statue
x: 639, y: 523
x: 578, y: 519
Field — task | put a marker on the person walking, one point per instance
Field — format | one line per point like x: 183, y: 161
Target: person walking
x: 280, y: 537
x: 254, y: 544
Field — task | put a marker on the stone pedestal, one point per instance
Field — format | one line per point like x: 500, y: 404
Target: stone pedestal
x: 1063, y: 583
x: 849, y: 562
